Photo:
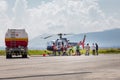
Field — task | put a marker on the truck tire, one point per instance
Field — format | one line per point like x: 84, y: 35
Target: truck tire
x: 24, y: 55
x: 8, y: 56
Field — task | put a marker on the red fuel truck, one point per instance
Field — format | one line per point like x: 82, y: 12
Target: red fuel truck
x: 16, y: 41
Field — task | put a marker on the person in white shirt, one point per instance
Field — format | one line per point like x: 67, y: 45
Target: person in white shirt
x: 93, y: 49
x: 87, y: 50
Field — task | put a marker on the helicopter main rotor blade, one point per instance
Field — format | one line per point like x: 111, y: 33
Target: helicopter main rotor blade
x: 60, y: 35
x: 68, y: 34
x: 63, y: 34
x: 48, y: 37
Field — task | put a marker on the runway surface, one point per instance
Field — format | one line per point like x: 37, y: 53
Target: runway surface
x: 102, y: 67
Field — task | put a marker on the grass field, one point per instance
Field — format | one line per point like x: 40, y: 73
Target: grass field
x: 2, y: 52
x: 101, y: 51
x: 110, y: 51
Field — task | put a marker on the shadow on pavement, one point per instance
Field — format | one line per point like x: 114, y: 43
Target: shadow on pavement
x: 46, y: 75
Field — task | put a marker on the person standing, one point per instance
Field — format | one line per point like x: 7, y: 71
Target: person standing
x: 54, y: 49
x: 93, y: 49
x: 71, y: 51
x: 65, y: 48
x: 78, y: 50
x: 59, y: 49
x: 96, y: 48
x: 87, y: 50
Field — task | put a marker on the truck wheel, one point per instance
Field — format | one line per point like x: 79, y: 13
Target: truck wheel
x: 8, y: 56
x: 24, y: 55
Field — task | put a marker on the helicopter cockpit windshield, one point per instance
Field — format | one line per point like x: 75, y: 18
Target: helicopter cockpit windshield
x: 50, y: 43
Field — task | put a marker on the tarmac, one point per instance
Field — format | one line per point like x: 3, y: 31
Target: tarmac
x: 102, y: 67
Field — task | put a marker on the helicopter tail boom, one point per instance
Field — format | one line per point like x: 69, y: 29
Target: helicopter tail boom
x: 82, y: 42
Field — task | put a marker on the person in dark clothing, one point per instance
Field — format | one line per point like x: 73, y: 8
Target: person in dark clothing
x: 65, y: 50
x: 59, y: 49
x: 96, y: 48
x: 78, y: 50
x: 54, y: 49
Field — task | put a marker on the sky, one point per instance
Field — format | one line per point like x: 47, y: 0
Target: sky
x: 58, y: 16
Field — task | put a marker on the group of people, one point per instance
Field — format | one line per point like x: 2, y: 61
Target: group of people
x: 94, y: 49
x: 61, y: 48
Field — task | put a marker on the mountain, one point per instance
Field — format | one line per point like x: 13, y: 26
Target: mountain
x: 107, y: 38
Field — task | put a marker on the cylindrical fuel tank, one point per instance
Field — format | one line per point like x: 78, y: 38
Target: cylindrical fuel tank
x: 16, y: 38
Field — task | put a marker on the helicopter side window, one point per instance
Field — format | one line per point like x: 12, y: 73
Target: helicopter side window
x: 64, y: 43
x: 59, y: 43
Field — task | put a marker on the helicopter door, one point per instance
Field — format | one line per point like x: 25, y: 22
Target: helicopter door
x: 59, y: 44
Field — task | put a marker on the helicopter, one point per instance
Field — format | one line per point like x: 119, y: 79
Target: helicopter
x: 63, y: 41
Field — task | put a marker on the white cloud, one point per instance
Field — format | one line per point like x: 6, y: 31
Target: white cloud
x: 3, y: 6
x: 19, y: 10
x: 62, y: 16
x: 70, y: 16
x: 4, y: 20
